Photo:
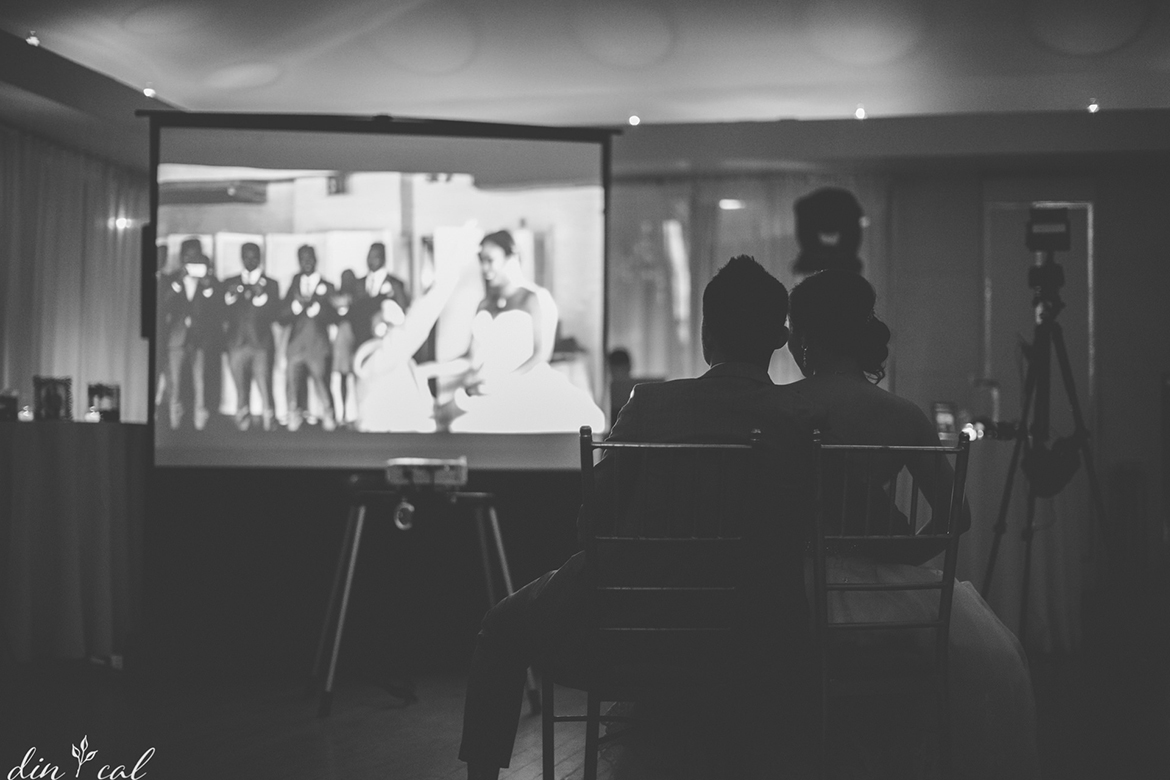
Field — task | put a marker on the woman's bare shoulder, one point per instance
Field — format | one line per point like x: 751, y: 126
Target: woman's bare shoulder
x: 912, y: 421
x: 865, y: 413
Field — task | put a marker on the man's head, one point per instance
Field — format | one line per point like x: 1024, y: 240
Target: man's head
x: 744, y: 309
x: 619, y: 363
x: 195, y: 263
x: 376, y: 258
x: 190, y: 248
x: 307, y: 257
x: 250, y: 256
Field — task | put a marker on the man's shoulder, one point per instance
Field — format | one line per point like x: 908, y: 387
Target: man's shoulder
x: 704, y: 406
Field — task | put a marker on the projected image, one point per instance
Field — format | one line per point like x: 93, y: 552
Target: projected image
x: 314, y: 302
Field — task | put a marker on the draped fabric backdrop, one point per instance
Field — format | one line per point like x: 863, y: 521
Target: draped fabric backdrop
x: 69, y: 277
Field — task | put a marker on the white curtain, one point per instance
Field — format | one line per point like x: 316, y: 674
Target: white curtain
x: 69, y: 274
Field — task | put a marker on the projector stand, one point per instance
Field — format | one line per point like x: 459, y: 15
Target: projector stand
x: 338, y: 605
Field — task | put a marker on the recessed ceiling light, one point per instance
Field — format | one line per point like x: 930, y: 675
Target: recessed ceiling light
x: 32, y: 39
x: 1094, y: 106
x: 730, y: 204
x: 149, y: 92
x: 635, y: 120
x: 859, y: 112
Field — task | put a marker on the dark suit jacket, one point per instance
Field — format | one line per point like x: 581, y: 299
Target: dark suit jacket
x: 193, y: 323
x: 725, y: 405
x: 310, y: 334
x: 247, y: 324
x: 365, y: 306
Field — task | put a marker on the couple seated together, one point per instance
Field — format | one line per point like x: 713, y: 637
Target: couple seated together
x: 841, y: 348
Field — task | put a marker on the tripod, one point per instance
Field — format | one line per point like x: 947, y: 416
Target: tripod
x: 1046, y: 279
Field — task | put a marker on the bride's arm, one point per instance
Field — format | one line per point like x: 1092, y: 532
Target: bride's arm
x: 532, y: 305
x: 934, y: 475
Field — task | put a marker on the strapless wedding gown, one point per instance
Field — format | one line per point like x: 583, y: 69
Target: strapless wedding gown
x: 540, y: 400
x: 993, y: 710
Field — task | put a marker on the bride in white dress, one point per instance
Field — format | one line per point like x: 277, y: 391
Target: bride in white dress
x: 840, y: 347
x: 509, y: 385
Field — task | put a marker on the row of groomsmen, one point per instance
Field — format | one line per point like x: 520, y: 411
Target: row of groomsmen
x: 200, y: 316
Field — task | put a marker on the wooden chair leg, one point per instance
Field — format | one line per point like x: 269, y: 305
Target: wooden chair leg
x: 592, y: 727
x: 547, y: 735
x: 944, y: 730
x: 823, y: 748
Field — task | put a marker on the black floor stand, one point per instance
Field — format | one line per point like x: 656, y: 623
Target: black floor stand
x: 1048, y: 338
x: 483, y: 506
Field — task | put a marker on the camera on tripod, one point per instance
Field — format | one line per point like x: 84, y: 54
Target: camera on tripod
x: 1047, y: 232
x: 1048, y: 467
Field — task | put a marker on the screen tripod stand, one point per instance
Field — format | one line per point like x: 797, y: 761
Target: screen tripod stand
x: 1047, y: 469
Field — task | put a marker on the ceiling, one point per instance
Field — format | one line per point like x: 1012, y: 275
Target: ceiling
x: 601, y: 61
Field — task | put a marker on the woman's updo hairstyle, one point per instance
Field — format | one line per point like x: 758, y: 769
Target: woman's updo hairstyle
x: 833, y: 310
x: 503, y: 239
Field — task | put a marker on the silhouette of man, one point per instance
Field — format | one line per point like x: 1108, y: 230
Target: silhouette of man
x: 744, y: 310
x: 251, y: 303
x: 308, y: 311
x: 188, y: 308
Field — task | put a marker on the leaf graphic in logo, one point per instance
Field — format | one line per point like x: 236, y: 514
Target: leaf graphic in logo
x: 82, y: 753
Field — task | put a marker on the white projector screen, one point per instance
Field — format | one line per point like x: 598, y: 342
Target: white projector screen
x: 334, y: 293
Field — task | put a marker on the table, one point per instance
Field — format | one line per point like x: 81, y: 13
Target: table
x: 1060, y: 549
x: 72, y: 503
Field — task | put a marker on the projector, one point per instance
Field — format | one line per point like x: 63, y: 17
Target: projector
x: 432, y: 473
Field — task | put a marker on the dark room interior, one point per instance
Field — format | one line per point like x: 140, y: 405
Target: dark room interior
x: 163, y: 603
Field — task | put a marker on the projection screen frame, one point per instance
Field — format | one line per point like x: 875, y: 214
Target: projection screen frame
x: 486, y: 452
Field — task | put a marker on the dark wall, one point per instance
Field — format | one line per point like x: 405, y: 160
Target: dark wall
x: 240, y: 562
x: 938, y: 272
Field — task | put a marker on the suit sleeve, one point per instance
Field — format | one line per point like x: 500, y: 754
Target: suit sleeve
x: 625, y: 428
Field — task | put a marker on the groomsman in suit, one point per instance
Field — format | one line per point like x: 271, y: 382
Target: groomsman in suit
x: 376, y: 286
x: 365, y: 306
x: 251, y: 303
x: 189, y: 312
x: 308, y: 311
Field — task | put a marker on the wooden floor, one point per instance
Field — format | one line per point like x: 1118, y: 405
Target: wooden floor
x: 268, y: 729
x: 1102, y: 714
x: 255, y: 729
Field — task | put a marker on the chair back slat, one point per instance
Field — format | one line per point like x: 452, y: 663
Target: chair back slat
x: 667, y: 542
x: 884, y: 532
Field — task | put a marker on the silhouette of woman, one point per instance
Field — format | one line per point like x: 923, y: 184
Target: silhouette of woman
x: 841, y: 347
